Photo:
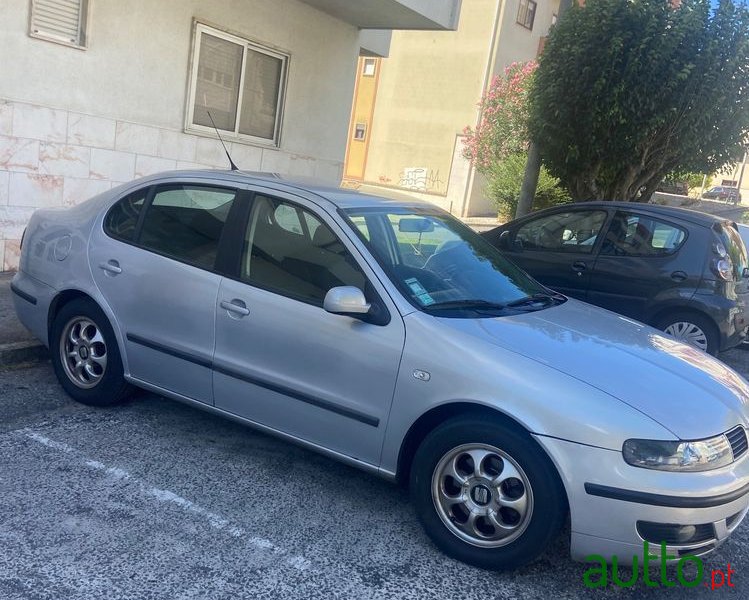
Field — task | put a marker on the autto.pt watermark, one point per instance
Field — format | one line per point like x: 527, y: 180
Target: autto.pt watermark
x: 603, y: 574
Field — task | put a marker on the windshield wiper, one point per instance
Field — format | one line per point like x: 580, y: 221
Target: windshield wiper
x: 467, y: 304
x: 541, y: 298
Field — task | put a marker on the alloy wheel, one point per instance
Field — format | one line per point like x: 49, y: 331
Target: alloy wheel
x: 482, y: 495
x: 83, y: 352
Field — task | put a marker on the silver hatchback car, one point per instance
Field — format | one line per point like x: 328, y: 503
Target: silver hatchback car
x: 390, y: 336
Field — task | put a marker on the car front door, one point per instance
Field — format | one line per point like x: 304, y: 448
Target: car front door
x: 640, y: 262
x: 281, y: 360
x: 153, y: 261
x: 558, y: 249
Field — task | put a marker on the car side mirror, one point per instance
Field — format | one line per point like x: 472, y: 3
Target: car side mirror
x: 346, y: 300
x: 504, y: 240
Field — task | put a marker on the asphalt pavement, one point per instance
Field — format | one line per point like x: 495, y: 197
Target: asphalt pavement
x: 157, y: 500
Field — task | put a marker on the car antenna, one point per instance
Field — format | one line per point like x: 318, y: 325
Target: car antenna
x: 231, y: 162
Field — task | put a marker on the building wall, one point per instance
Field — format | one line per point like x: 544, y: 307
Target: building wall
x: 428, y: 90
x: 75, y: 122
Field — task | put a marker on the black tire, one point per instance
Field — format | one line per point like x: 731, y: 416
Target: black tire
x: 107, y: 388
x: 549, y: 502
x: 705, y: 324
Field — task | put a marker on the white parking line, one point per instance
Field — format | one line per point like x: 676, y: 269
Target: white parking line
x: 165, y: 496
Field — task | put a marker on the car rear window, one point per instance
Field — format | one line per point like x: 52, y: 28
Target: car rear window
x: 122, y: 218
x: 631, y: 234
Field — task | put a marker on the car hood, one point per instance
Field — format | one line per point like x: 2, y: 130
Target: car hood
x: 687, y: 391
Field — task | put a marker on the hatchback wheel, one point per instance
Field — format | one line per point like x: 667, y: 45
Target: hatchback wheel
x: 486, y: 493
x: 693, y: 329
x: 85, y: 355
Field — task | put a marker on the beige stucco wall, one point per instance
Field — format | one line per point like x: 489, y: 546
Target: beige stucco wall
x: 428, y: 90
x: 76, y: 122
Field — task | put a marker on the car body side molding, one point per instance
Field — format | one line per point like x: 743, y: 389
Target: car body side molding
x: 274, y: 387
x: 605, y: 491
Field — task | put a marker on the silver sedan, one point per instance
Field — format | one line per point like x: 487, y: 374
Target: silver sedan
x: 390, y: 336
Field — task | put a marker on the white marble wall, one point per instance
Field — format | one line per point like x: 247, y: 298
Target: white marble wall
x: 52, y: 157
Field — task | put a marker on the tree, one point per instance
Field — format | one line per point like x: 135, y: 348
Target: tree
x: 498, y: 145
x: 628, y: 91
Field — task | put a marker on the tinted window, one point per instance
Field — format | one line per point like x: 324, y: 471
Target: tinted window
x: 637, y: 235
x: 185, y: 222
x: 574, y: 231
x: 442, y: 265
x: 290, y: 251
x: 122, y: 218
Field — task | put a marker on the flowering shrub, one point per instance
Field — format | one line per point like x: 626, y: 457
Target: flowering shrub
x: 498, y: 146
x: 503, y: 128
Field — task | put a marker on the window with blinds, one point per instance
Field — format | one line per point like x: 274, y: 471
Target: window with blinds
x: 59, y: 20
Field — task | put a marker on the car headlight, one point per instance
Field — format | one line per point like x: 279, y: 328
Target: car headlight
x: 700, y: 455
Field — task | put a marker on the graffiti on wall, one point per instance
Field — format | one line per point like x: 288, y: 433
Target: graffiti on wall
x: 420, y: 179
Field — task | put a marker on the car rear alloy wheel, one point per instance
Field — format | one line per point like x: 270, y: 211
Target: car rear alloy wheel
x: 83, y: 352
x: 482, y: 495
x: 486, y: 492
x: 87, y: 358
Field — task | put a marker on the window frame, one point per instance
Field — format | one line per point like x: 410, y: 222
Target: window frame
x: 655, y: 218
x: 223, y: 262
x: 190, y: 127
x: 365, y: 63
x: 524, y: 9
x: 83, y: 24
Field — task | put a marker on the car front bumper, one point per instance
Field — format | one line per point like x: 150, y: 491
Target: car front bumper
x: 608, y: 497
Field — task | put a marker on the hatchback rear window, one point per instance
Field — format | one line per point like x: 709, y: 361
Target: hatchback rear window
x: 631, y: 234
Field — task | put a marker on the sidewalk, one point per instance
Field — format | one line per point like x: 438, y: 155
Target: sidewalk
x: 17, y: 345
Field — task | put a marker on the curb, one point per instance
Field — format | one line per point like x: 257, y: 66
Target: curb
x: 21, y: 353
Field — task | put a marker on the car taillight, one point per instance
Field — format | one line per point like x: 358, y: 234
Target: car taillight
x: 723, y: 268
x: 722, y: 265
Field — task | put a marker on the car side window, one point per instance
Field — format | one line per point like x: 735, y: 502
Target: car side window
x: 122, y: 219
x: 299, y: 257
x: 630, y: 234
x: 571, y: 231
x: 185, y: 222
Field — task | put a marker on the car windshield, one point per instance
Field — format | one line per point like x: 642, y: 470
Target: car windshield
x: 444, y: 267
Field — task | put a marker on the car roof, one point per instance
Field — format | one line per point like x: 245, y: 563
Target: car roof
x: 692, y: 216
x: 339, y: 197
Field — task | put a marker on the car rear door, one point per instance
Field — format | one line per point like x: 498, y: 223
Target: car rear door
x: 284, y: 362
x: 153, y: 261
x: 642, y: 261
x: 558, y: 248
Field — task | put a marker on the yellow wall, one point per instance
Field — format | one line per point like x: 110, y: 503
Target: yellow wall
x: 428, y: 92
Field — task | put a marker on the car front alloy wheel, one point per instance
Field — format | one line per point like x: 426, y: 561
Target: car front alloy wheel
x: 486, y: 492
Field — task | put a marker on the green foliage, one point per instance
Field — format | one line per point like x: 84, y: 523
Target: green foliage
x: 498, y: 145
x: 629, y: 91
x: 506, y: 177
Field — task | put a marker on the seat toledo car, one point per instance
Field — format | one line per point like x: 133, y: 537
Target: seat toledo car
x: 390, y: 336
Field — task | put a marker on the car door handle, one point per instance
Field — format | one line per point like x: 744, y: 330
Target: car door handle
x: 679, y: 275
x: 235, y: 306
x: 111, y: 266
x: 579, y: 266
